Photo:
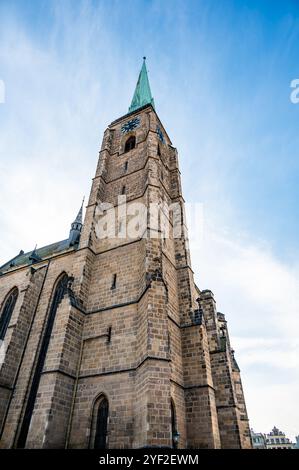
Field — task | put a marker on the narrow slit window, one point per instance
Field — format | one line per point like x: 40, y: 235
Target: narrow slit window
x: 126, y: 166
x: 123, y: 190
x: 113, y: 286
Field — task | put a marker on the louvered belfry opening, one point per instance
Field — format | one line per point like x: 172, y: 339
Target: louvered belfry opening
x: 130, y: 143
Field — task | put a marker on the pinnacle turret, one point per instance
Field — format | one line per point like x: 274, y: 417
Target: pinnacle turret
x: 76, y: 227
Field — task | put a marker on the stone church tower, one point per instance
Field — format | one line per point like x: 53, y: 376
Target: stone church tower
x: 106, y: 341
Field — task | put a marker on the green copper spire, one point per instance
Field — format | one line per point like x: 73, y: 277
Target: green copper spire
x: 142, y: 95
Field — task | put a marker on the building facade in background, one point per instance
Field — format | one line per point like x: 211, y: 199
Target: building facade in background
x: 277, y: 439
x: 258, y: 440
x: 106, y: 340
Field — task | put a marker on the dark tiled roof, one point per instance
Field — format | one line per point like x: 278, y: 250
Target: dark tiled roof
x: 42, y: 253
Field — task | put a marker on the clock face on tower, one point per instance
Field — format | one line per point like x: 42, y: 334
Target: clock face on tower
x: 160, y: 134
x: 130, y: 125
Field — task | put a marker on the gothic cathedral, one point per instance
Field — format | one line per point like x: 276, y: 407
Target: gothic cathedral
x: 106, y: 341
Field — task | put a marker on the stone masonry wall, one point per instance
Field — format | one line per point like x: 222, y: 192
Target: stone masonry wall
x: 132, y: 326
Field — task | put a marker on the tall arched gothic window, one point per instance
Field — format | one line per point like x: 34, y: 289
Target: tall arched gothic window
x: 100, y: 423
x: 6, y: 311
x: 56, y: 299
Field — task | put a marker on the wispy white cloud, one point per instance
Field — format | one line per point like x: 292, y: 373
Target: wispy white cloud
x: 57, y: 105
x: 260, y: 297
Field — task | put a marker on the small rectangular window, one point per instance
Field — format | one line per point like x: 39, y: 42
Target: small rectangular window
x: 113, y: 286
x: 126, y: 166
x: 109, y: 334
x: 123, y: 190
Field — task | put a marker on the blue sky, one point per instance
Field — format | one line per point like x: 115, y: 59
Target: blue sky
x: 220, y: 74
